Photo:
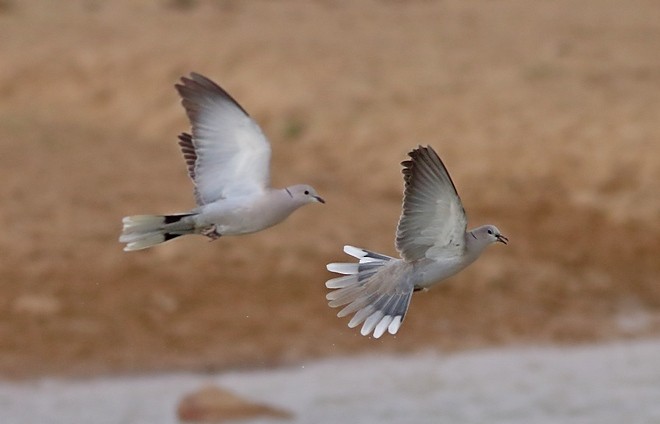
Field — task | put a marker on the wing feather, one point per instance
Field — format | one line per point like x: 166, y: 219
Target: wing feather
x: 227, y: 153
x: 433, y: 220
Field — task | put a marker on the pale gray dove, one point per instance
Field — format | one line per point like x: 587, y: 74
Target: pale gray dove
x: 433, y: 243
x: 228, y: 159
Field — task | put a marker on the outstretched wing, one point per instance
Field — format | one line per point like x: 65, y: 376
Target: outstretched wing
x: 433, y: 220
x: 227, y: 154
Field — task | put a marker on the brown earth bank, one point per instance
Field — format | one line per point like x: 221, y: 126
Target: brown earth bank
x: 546, y: 114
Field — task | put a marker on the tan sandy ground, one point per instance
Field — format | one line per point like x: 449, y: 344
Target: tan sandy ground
x: 546, y: 113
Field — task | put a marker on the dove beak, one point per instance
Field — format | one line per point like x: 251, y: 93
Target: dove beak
x: 319, y: 199
x: 502, y: 239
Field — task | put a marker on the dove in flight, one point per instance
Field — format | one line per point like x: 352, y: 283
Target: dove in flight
x: 433, y: 242
x: 228, y: 160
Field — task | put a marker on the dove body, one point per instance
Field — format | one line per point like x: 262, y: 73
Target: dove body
x: 228, y: 160
x: 435, y: 270
x: 230, y: 217
x: 431, y: 239
x: 252, y: 213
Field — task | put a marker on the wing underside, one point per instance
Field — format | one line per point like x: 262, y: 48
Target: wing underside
x: 433, y: 220
x: 226, y: 153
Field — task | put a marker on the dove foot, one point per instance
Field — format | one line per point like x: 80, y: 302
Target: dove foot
x: 211, y: 233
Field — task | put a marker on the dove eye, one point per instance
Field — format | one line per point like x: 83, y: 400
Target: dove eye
x: 306, y: 191
x: 490, y: 231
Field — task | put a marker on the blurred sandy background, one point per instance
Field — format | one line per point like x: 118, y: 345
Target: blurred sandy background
x: 546, y: 113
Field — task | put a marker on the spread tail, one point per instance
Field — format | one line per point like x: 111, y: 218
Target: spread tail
x: 142, y: 231
x: 378, y: 303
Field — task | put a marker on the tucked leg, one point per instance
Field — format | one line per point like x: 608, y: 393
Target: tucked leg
x: 211, y: 232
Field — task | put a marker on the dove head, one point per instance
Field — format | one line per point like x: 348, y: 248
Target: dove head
x: 303, y: 193
x: 489, y: 234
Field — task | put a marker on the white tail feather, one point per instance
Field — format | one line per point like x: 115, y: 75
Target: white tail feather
x: 379, y: 308
x: 343, y: 268
x: 341, y: 282
x: 142, y: 223
x: 142, y: 231
x: 144, y: 241
x: 371, y: 322
x: 382, y: 326
x: 365, y: 255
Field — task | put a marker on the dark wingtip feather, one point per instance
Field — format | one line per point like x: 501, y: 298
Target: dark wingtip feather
x: 198, y: 84
x: 426, y: 155
x: 189, y: 153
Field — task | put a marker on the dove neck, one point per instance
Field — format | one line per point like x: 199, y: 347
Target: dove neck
x: 475, y: 245
x: 288, y: 200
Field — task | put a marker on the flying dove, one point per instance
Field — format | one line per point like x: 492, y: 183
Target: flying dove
x: 228, y: 159
x: 432, y: 240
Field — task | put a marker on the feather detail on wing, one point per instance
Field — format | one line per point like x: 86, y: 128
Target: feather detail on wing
x: 227, y: 154
x: 189, y: 155
x: 433, y: 220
